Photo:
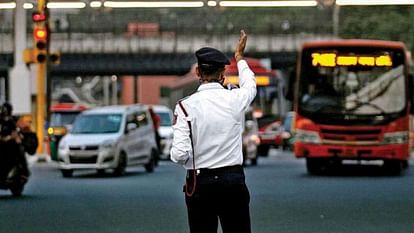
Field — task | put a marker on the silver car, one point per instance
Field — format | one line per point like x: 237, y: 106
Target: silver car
x: 109, y: 137
x: 165, y: 130
x: 250, y: 138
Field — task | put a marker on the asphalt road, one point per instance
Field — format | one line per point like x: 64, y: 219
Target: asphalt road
x: 284, y: 198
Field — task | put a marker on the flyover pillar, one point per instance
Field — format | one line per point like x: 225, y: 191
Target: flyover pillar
x: 19, y: 76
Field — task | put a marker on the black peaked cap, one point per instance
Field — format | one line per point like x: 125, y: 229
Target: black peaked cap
x: 211, y: 56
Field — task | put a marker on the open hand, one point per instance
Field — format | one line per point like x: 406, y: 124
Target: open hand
x: 241, y: 45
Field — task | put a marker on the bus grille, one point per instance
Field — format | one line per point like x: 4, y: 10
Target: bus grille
x: 351, y: 134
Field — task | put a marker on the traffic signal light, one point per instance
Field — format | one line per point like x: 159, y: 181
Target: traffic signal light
x: 40, y: 35
x: 54, y: 57
x: 38, y: 17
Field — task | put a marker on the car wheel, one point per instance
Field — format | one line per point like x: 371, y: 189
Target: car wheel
x: 156, y: 157
x: 149, y: 167
x: 244, y: 152
x: 122, y: 164
x: 263, y: 150
x: 100, y: 172
x: 255, y: 157
x: 254, y: 161
x: 67, y: 172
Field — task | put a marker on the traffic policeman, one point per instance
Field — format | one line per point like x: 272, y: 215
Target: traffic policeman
x: 207, y: 141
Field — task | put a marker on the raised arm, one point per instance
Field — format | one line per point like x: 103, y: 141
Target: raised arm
x: 247, y: 80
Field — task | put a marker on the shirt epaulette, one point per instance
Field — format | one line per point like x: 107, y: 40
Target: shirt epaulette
x: 185, y: 98
x: 182, y: 99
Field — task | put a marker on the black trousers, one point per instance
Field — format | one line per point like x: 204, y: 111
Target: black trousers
x: 220, y: 195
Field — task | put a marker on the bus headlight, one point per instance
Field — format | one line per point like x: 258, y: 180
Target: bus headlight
x: 396, y: 138
x: 306, y: 136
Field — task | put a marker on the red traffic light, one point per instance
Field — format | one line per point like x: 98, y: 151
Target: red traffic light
x: 40, y: 34
x: 39, y: 17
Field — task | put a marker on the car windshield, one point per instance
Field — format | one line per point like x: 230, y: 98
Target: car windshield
x: 353, y: 90
x: 97, y: 124
x: 165, y: 118
x: 58, y: 119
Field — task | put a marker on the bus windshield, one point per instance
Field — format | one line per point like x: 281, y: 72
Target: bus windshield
x: 338, y: 82
x: 267, y: 101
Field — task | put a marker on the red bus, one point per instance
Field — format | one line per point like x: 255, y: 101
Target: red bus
x: 268, y: 105
x: 353, y: 100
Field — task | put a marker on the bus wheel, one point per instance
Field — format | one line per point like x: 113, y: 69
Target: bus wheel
x: 405, y: 164
x: 316, y: 166
x: 393, y: 167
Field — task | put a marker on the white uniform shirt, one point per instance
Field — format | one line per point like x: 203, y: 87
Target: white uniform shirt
x: 216, y: 116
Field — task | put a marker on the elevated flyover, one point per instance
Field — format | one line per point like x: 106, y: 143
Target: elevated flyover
x: 73, y: 64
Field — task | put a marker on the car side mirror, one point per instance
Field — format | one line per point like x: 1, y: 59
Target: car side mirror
x: 130, y: 127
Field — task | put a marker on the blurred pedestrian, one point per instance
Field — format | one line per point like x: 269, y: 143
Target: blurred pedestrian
x: 207, y: 141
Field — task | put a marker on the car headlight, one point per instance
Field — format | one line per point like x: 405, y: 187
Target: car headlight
x: 255, y: 138
x: 396, y: 138
x: 108, y: 144
x: 307, y: 136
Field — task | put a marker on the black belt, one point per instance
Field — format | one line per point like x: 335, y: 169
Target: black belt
x: 217, y: 171
x: 223, y: 175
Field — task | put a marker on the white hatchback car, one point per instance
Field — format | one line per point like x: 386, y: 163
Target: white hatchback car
x: 109, y: 137
x: 165, y: 130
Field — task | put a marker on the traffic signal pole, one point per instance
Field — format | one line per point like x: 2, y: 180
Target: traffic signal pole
x: 41, y: 93
x: 40, y: 105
